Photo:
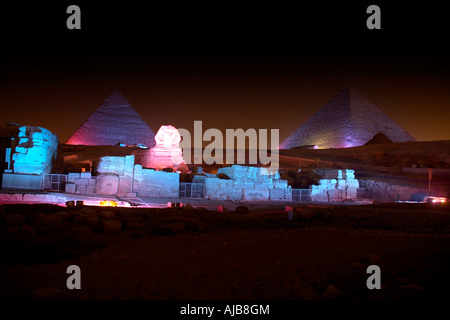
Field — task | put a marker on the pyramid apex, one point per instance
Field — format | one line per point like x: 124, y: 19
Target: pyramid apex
x: 350, y: 88
x: 116, y: 98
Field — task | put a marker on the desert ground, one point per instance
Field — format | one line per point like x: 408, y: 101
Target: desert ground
x: 193, y: 253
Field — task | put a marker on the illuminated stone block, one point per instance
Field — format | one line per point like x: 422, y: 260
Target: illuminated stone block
x: 82, y: 182
x: 151, y: 183
x: 341, y: 184
x: 348, y: 174
x: 334, y: 195
x: 199, y: 179
x: 234, y: 195
x: 107, y: 184
x: 90, y: 189
x: 21, y: 181
x: 255, y: 194
x: 110, y: 164
x: 81, y: 189
x: 36, y: 152
x: 85, y: 175
x: 70, y: 187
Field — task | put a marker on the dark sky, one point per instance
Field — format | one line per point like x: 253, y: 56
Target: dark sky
x: 230, y: 66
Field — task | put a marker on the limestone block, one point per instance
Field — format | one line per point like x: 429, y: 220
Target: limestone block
x: 129, y: 166
x: 334, y: 195
x: 110, y: 164
x: 348, y: 174
x: 85, y: 175
x: 72, y: 176
x: 81, y: 182
x: 280, y: 183
x: 255, y: 194
x: 352, y: 183
x: 341, y: 184
x: 352, y: 193
x: 138, y: 175
x: 70, y: 187
x: 36, y: 152
x: 21, y: 181
x: 331, y: 183
x: 199, y: 179
x: 80, y: 188
x: 71, y: 179
x: 235, y: 195
x: 21, y: 149
x: 90, y: 189
x: 107, y: 184
x: 151, y: 183
x: 212, y: 183
x: 125, y: 185
x: 243, y: 185
x: 253, y: 172
x: 264, y: 182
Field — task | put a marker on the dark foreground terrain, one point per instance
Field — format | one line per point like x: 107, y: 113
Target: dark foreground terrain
x: 191, y: 254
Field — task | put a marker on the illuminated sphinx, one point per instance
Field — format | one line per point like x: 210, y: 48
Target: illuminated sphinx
x: 167, y: 152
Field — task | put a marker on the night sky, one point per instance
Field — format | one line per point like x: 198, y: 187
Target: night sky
x: 230, y: 66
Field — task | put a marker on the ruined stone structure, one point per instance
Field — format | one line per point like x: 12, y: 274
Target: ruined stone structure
x: 114, y: 122
x: 30, y: 158
x: 242, y: 183
x: 335, y: 185
x: 120, y: 176
x: 35, y: 150
x: 347, y: 120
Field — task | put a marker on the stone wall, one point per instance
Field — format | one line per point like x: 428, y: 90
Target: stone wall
x: 115, y: 175
x: 35, y: 151
x: 335, y: 185
x: 80, y: 183
x: 242, y: 183
x: 121, y: 177
x: 151, y: 183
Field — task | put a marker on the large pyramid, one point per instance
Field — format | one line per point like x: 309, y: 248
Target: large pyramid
x: 115, y: 121
x: 347, y: 120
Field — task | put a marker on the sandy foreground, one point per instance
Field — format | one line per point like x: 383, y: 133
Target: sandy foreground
x: 196, y: 254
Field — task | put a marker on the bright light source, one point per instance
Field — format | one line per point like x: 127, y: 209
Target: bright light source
x: 436, y: 200
x: 108, y: 203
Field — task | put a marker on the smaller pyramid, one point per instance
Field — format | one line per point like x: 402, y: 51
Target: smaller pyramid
x: 377, y: 139
x: 114, y: 122
x: 347, y: 120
